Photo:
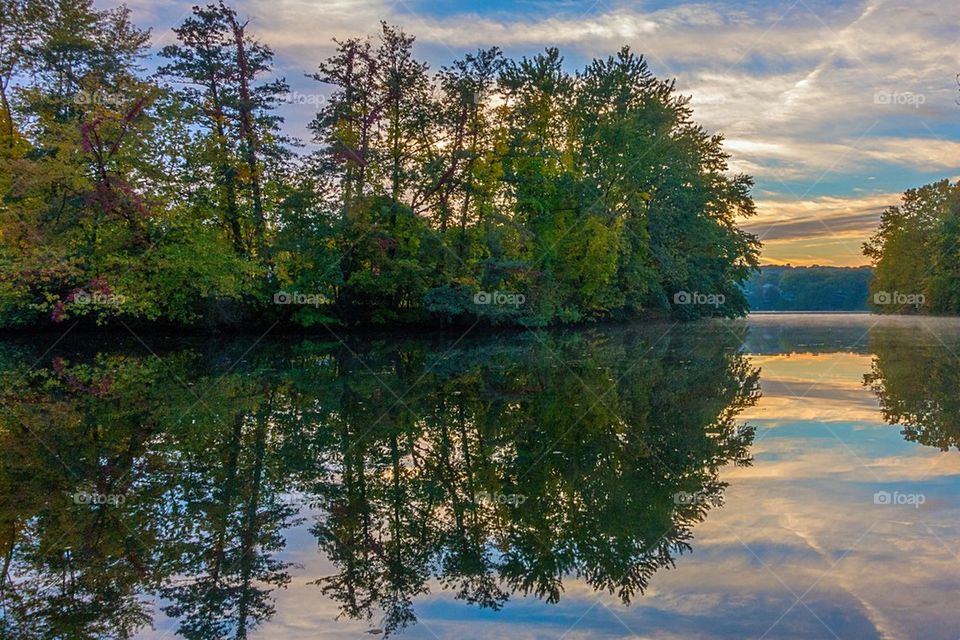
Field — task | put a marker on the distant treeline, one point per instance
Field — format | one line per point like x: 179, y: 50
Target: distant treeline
x: 497, y: 190
x: 787, y: 288
x: 916, y: 253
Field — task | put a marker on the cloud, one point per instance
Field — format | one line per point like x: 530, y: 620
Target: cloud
x: 825, y: 230
x: 818, y: 217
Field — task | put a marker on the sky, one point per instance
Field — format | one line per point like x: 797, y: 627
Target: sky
x: 834, y: 106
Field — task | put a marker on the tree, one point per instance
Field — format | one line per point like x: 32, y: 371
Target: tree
x: 19, y: 31
x: 220, y: 63
x: 914, y: 252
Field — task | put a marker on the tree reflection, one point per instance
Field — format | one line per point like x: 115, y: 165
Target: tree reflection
x: 490, y: 466
x: 918, y: 387
x: 595, y: 435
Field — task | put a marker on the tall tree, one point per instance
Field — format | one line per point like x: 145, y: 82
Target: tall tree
x: 220, y: 62
x: 202, y: 63
x: 345, y: 124
x: 19, y: 30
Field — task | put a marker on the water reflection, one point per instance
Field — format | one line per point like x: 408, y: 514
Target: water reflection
x: 918, y: 386
x: 165, y: 476
x: 812, y: 516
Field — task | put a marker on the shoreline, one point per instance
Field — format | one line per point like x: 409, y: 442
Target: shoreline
x: 124, y: 330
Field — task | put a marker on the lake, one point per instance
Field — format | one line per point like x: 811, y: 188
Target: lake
x: 783, y: 476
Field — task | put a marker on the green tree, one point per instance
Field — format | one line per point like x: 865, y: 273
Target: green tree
x: 914, y: 253
x: 219, y: 61
x: 916, y: 387
x: 175, y: 199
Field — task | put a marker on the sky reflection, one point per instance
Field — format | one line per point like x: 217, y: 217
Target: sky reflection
x: 799, y: 550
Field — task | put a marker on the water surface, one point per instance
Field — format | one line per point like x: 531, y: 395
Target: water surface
x: 787, y: 476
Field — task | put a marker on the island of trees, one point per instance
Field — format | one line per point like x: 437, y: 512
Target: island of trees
x: 495, y: 190
x: 916, y: 253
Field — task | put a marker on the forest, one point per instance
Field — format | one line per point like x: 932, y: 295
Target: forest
x: 916, y: 253
x: 160, y: 187
x: 815, y: 288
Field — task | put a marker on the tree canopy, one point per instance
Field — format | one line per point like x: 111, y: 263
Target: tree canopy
x: 491, y: 189
x: 916, y: 253
x: 787, y: 288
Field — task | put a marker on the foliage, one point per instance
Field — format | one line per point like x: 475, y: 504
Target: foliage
x: 916, y: 253
x: 588, y: 195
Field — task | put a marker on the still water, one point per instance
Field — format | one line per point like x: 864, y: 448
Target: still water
x: 786, y: 476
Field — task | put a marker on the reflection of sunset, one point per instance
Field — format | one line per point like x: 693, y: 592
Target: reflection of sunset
x: 800, y: 523
x: 805, y: 509
x: 824, y: 387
